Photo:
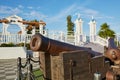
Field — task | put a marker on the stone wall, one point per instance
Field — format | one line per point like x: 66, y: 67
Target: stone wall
x: 12, y: 52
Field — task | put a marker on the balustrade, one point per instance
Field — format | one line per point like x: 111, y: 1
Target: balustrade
x: 14, y: 38
x: 56, y: 35
x: 101, y: 41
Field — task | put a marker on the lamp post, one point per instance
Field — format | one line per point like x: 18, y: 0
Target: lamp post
x: 25, y: 39
x: 117, y: 41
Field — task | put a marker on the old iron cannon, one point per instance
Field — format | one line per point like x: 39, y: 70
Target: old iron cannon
x: 113, y: 54
x: 74, y: 59
x: 54, y: 47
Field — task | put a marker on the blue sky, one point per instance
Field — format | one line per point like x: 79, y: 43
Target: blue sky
x: 54, y: 12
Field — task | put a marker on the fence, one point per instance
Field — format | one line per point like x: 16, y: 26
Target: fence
x: 57, y: 35
x: 14, y: 38
x: 29, y: 74
x: 18, y: 38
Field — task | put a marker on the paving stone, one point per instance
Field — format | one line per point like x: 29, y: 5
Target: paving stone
x: 8, y: 68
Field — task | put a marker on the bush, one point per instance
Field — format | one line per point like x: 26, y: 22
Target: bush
x: 7, y: 45
x: 27, y: 45
x: 20, y: 44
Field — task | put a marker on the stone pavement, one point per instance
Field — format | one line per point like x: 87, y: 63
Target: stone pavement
x: 8, y: 68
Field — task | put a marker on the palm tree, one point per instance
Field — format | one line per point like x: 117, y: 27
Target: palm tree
x: 105, y: 31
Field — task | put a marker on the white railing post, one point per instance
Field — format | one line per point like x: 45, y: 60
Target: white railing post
x: 14, y: 38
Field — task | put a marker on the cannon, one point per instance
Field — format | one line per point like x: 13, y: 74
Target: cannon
x: 63, y: 61
x: 54, y: 47
x: 113, y: 54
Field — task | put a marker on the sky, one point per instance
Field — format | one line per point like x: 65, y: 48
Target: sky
x: 54, y: 12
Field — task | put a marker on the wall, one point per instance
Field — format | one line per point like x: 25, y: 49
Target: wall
x: 12, y: 52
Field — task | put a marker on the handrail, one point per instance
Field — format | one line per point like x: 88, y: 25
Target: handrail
x: 101, y: 41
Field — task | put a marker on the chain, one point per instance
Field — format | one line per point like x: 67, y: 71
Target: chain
x: 29, y: 74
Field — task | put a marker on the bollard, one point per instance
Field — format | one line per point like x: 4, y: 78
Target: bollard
x: 29, y: 76
x: 19, y: 72
x: 97, y: 76
x: 29, y: 68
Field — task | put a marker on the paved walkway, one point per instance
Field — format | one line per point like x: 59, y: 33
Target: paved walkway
x: 8, y: 68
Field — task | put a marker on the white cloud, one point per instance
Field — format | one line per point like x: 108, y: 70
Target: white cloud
x: 51, y: 19
x: 9, y: 10
x: 5, y: 9
x: 16, y: 11
x: 72, y: 10
x: 62, y: 14
x: 20, y: 6
x: 35, y: 15
x: 110, y: 17
x: 59, y: 18
x: 38, y: 7
x: 88, y: 13
x: 30, y: 7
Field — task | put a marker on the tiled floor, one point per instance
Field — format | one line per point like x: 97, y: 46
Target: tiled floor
x: 8, y: 68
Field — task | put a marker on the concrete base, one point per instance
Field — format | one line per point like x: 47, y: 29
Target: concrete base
x: 12, y: 52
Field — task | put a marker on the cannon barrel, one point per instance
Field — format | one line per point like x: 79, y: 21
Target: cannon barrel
x: 54, y: 47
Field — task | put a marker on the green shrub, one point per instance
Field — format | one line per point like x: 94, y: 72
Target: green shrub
x: 11, y: 45
x: 7, y: 45
x: 3, y: 45
x: 27, y: 45
x: 20, y: 44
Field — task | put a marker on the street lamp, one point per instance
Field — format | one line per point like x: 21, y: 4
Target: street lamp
x: 116, y: 35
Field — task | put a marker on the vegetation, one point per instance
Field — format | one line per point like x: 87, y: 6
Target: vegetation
x: 105, y: 31
x: 30, y: 27
x: 70, y: 26
x: 35, y: 20
x: 27, y: 45
x: 38, y: 74
x: 29, y: 31
x: 7, y: 45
